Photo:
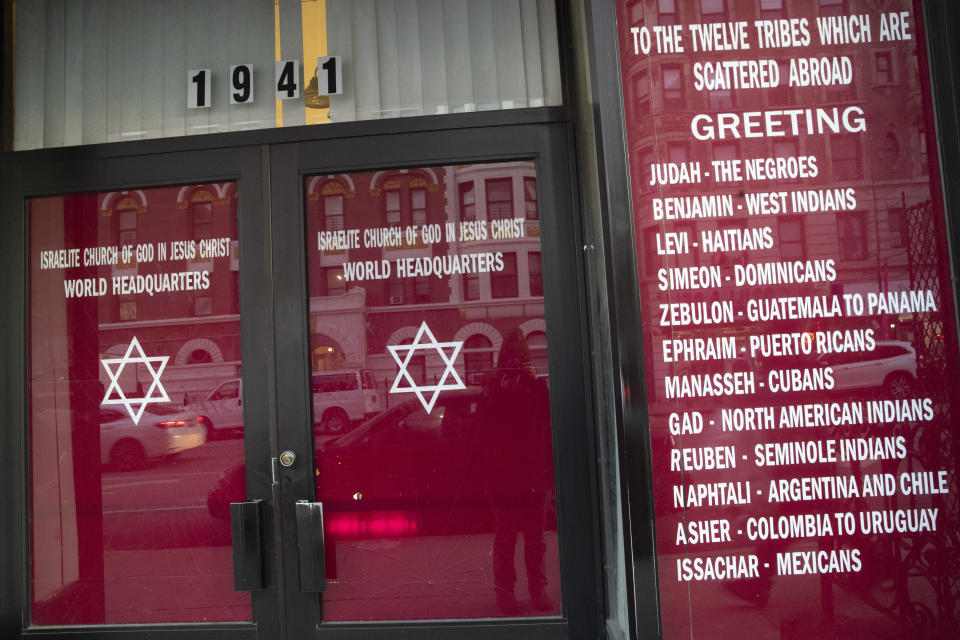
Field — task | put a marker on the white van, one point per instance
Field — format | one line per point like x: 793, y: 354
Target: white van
x: 340, y: 399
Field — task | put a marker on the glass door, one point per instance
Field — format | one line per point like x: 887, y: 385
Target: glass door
x: 433, y: 452
x: 427, y: 326
x: 329, y: 388
x: 148, y: 394
x: 135, y: 413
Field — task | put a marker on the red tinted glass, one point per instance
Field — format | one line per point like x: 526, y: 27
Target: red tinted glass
x: 798, y: 320
x: 437, y: 481
x: 135, y: 415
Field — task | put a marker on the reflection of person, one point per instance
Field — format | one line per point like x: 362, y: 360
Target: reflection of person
x: 520, y: 467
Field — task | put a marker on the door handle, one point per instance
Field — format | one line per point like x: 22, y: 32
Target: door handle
x: 247, y: 546
x: 310, y: 546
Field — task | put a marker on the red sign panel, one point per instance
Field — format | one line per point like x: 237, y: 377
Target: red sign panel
x: 799, y: 328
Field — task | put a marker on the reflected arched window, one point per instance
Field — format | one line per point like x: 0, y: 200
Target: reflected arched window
x: 477, y: 358
x: 199, y: 356
x: 327, y: 354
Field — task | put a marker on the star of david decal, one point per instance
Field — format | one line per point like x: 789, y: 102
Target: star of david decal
x: 156, y: 392
x: 448, y: 351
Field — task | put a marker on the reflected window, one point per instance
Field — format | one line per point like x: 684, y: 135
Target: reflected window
x: 417, y: 367
x: 127, y: 236
x: 202, y: 219
x: 335, y: 281
x: 333, y: 213
x: 720, y: 99
x: 890, y: 150
x: 477, y: 358
x: 922, y: 149
x: 395, y: 291
x: 771, y: 9
x: 837, y: 92
x: 468, y: 206
x: 725, y: 151
x: 530, y: 198
x: 537, y: 344
x: 641, y: 91
x: 499, y: 198
x: 327, y: 355
x: 713, y: 10
x: 391, y: 204
x: 852, y: 235
x: 782, y: 94
x: 730, y: 257
x: 504, y: 284
x: 642, y: 161
x: 672, y: 79
x: 667, y: 11
x: 635, y: 12
x: 418, y: 206
x: 845, y: 157
x: 786, y: 149
x: 126, y: 309
x: 421, y: 290
x: 471, y: 286
x: 536, y: 273
x: 678, y: 151
x: 202, y: 306
x: 896, y: 227
x: 199, y: 356
x: 790, y: 237
x: 832, y: 7
x: 883, y: 67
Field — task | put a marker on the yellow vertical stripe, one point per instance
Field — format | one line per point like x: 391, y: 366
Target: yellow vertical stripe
x: 314, y: 24
x: 276, y: 55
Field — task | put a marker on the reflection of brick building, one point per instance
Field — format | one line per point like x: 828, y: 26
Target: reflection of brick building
x: 351, y: 323
x: 475, y: 308
x: 887, y: 165
x: 198, y: 330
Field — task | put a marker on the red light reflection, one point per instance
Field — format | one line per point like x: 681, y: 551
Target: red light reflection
x: 351, y: 525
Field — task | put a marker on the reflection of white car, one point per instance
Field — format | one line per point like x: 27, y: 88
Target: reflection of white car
x: 891, y: 365
x: 128, y: 446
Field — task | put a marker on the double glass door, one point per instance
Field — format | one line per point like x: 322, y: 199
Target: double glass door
x: 326, y: 388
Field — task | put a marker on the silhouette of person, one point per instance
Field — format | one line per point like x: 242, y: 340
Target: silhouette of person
x: 520, y: 464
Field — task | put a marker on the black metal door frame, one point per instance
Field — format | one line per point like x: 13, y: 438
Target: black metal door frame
x: 269, y: 167
x: 75, y: 171
x: 563, y: 288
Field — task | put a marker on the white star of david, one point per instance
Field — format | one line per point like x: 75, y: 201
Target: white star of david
x: 449, y: 370
x: 155, y: 385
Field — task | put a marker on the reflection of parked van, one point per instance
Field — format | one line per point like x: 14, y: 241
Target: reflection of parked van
x: 343, y: 397
x: 340, y: 398
x: 223, y: 408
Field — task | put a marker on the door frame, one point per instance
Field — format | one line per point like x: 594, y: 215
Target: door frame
x: 269, y: 166
x: 72, y: 172
x: 565, y: 313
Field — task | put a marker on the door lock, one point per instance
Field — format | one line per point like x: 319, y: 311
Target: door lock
x: 287, y: 458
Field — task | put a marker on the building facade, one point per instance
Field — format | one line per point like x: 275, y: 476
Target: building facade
x: 487, y: 319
